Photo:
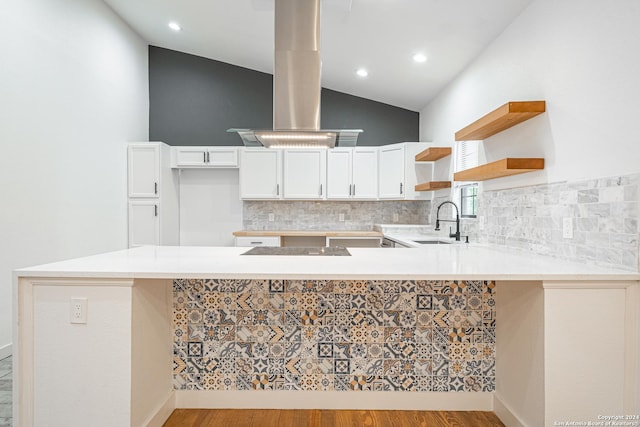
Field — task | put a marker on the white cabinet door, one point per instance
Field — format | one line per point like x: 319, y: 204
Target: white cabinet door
x: 204, y: 157
x: 391, y: 163
x: 305, y: 173
x: 365, y: 173
x: 339, y: 173
x: 222, y: 157
x: 144, y: 224
x: 143, y: 168
x: 188, y: 156
x: 261, y: 174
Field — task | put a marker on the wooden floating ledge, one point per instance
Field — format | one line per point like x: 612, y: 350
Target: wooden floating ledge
x: 433, y: 185
x: 432, y: 154
x: 510, y: 114
x: 500, y: 168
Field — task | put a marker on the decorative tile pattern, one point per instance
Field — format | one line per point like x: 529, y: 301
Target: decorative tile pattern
x: 334, y: 335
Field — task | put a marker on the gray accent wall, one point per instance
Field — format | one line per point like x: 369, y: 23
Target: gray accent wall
x: 194, y: 100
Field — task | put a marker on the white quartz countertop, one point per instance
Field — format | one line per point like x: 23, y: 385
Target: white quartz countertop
x: 436, y: 262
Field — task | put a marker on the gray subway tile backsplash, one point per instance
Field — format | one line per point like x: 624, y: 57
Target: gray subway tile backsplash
x: 325, y: 215
x: 605, y: 214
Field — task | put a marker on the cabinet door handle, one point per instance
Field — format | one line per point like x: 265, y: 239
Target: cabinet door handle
x: 349, y: 189
x: 354, y: 190
x: 155, y: 210
x: 208, y: 157
x: 155, y: 188
x: 204, y: 157
x: 277, y: 189
x: 256, y: 243
x: 321, y: 189
x: 400, y: 188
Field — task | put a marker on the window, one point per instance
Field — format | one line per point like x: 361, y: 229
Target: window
x: 469, y: 200
x: 467, y: 192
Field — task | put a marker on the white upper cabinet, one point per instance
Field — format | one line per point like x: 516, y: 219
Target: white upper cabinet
x: 365, y: 173
x: 260, y: 173
x: 399, y: 172
x: 143, y: 170
x: 339, y: 173
x: 352, y: 173
x: 305, y: 173
x: 204, y: 157
x: 391, y: 177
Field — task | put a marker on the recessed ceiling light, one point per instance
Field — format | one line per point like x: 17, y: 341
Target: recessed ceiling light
x: 362, y: 72
x: 420, y: 57
x: 174, y: 26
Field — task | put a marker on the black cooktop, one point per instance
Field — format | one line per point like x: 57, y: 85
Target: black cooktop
x: 293, y: 251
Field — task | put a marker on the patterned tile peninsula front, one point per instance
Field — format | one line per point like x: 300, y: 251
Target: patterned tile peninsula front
x: 333, y: 335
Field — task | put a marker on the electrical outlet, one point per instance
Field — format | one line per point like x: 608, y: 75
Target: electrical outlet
x: 272, y: 217
x: 395, y: 217
x: 78, y: 312
x: 567, y: 228
x: 481, y: 222
x: 341, y: 217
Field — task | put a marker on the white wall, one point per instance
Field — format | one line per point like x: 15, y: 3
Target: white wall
x: 210, y: 207
x: 582, y: 57
x: 74, y: 90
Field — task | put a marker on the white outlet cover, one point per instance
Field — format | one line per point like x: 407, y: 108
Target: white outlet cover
x: 567, y: 228
x: 78, y: 310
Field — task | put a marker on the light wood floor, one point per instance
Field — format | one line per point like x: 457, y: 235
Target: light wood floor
x: 328, y: 418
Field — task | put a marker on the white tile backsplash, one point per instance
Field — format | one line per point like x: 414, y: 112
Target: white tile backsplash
x: 605, y: 215
x: 326, y: 215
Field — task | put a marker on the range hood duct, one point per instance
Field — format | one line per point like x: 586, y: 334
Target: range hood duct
x: 297, y: 83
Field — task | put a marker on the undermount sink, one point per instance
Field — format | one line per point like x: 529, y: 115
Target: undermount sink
x: 431, y: 242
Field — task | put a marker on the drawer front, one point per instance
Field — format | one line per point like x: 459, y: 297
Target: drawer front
x: 253, y: 241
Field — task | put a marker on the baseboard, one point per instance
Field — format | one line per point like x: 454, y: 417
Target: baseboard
x: 5, y: 351
x: 163, y: 412
x: 506, y: 415
x: 277, y: 399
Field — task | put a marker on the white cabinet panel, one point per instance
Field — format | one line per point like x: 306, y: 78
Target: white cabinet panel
x: 204, y: 157
x: 144, y: 226
x: 253, y: 241
x: 305, y: 173
x: 222, y: 157
x: 365, y: 173
x: 153, y: 195
x: 261, y: 173
x: 339, y: 173
x: 143, y: 169
x: 391, y: 176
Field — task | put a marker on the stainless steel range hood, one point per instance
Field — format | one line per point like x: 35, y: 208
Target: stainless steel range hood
x: 296, y: 83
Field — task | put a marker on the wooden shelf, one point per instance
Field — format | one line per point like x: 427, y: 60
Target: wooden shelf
x: 432, y: 154
x: 433, y: 185
x: 510, y: 114
x: 500, y: 168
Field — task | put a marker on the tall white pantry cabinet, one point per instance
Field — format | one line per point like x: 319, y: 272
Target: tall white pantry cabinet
x: 153, y: 195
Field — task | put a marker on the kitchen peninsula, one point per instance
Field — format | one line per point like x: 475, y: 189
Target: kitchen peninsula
x: 455, y: 327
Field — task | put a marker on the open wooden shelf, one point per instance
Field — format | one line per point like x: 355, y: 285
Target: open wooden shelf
x: 433, y: 185
x: 432, y: 154
x: 510, y: 114
x: 500, y: 168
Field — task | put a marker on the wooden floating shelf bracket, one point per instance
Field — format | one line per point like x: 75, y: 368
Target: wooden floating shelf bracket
x: 433, y: 185
x: 510, y: 114
x: 432, y: 154
x: 505, y: 167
